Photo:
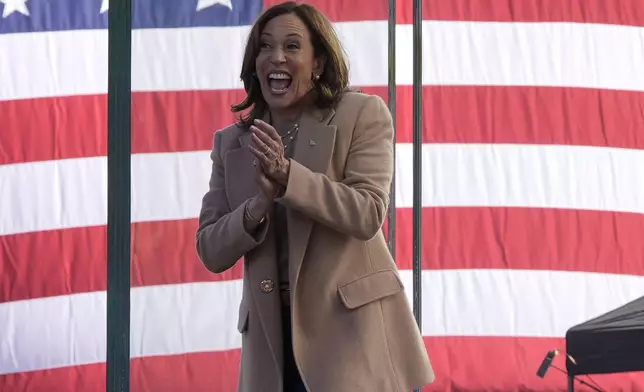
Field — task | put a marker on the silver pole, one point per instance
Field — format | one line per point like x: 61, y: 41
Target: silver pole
x: 391, y: 100
x: 417, y: 159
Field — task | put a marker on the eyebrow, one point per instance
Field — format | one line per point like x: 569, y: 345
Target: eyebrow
x: 288, y: 35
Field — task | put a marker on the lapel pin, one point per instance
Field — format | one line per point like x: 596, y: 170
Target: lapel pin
x: 312, y: 143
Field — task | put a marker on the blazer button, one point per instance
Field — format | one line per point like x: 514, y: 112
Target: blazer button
x: 267, y: 285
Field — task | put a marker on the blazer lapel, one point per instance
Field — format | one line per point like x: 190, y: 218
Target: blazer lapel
x: 240, y: 180
x: 313, y: 149
x: 240, y: 173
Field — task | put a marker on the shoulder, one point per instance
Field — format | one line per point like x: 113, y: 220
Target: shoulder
x: 356, y: 106
x: 359, y: 115
x: 227, y: 138
x: 352, y: 100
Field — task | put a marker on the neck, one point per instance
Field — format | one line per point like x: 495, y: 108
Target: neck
x: 285, y: 118
x: 288, y: 117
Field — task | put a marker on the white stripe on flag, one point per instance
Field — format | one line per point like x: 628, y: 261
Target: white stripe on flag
x: 174, y: 319
x: 455, y: 53
x: 47, y: 195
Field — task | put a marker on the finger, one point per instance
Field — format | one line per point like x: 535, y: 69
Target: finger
x: 263, y: 136
x: 260, y: 157
x: 264, y: 181
x: 259, y: 169
x: 261, y: 145
x: 262, y: 175
x: 268, y: 129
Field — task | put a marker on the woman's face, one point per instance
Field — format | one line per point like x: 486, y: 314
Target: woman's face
x: 286, y: 62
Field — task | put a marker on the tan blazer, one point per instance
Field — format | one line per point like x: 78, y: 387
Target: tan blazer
x: 353, y: 328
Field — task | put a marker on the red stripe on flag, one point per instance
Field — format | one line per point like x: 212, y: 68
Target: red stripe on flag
x: 75, y: 260
x: 524, y: 238
x: 624, y: 12
x: 74, y: 127
x: 528, y: 115
x: 460, y: 363
x: 627, y: 12
x: 454, y: 238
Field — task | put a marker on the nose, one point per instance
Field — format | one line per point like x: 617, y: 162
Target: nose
x: 277, y: 56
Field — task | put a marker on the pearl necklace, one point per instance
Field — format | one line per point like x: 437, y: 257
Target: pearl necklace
x: 290, y: 135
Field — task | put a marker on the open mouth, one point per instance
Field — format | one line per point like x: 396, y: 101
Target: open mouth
x: 279, y: 82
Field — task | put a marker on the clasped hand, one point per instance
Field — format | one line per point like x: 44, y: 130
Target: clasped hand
x: 268, y: 150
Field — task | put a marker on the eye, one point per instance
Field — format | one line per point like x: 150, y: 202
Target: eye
x: 264, y: 45
x: 292, y: 46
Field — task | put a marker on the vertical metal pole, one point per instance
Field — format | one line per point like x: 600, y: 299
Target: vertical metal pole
x: 118, y: 194
x: 418, y: 160
x: 391, y: 100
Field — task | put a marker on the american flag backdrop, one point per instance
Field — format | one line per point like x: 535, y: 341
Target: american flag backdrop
x: 533, y: 184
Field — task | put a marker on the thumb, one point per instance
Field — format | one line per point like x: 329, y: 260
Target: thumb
x: 263, y: 179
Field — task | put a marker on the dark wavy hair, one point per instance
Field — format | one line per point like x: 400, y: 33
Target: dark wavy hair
x: 326, y: 44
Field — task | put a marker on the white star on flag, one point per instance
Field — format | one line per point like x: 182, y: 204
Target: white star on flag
x: 203, y: 4
x: 105, y: 5
x: 11, y: 6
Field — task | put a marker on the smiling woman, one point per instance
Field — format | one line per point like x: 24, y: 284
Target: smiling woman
x: 291, y: 50
x: 300, y: 188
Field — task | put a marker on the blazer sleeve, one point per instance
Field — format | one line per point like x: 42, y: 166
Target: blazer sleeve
x: 221, y: 237
x: 358, y: 204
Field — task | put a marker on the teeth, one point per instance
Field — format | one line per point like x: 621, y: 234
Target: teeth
x: 282, y: 76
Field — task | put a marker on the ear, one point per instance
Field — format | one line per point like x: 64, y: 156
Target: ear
x: 318, y: 65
